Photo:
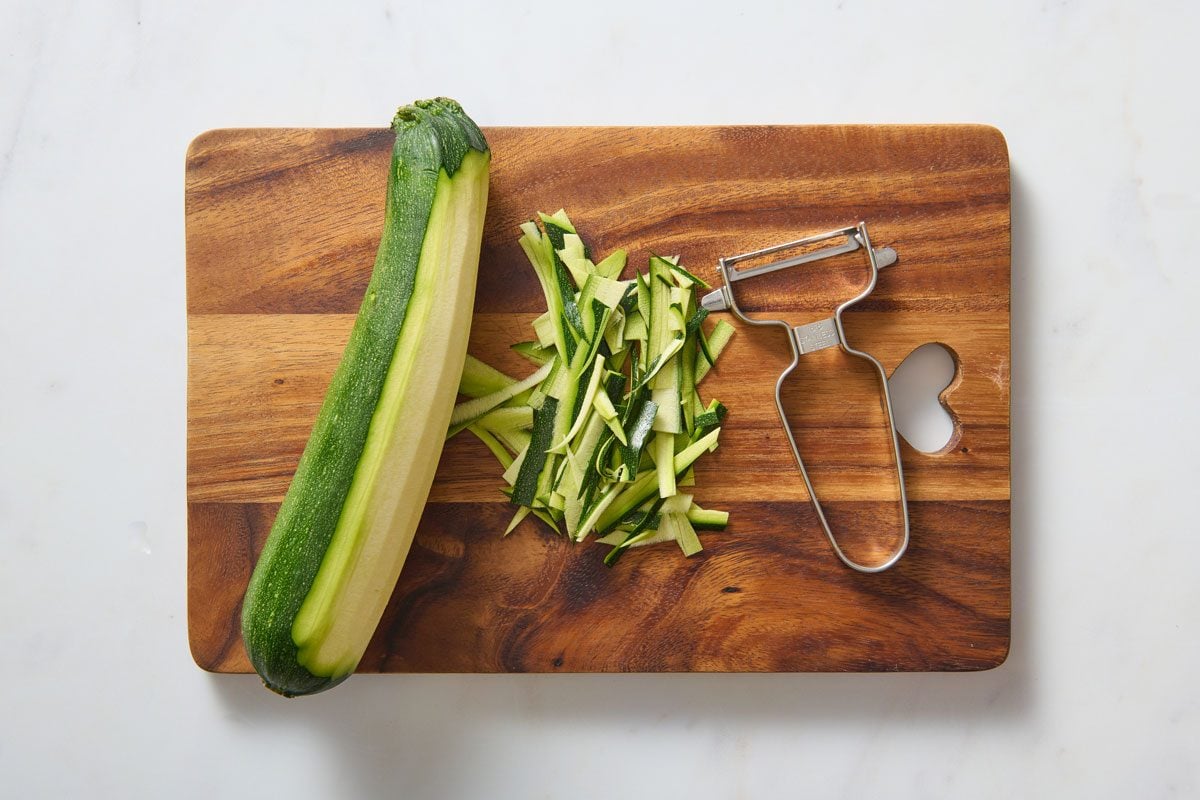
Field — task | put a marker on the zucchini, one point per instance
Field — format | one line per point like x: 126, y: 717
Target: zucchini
x: 534, y: 352
x: 645, y: 487
x: 479, y: 379
x: 346, y: 524
x: 610, y: 424
x: 704, y: 519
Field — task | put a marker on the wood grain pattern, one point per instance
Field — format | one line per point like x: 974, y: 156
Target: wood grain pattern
x: 281, y: 231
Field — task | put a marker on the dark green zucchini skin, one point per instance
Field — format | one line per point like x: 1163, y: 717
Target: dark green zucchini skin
x: 431, y: 135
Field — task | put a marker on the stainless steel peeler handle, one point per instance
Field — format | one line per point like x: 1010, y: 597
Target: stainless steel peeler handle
x: 819, y: 336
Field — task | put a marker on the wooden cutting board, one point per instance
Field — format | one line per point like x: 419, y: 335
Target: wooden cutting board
x: 282, y: 226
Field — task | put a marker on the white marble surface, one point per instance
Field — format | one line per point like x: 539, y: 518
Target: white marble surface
x: 98, y: 695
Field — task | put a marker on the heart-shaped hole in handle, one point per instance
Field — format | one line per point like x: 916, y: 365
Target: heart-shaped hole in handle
x: 916, y: 387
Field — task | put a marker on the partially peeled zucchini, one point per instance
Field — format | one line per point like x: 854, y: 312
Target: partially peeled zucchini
x: 346, y: 524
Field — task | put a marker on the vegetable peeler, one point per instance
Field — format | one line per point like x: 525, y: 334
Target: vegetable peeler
x: 815, y: 336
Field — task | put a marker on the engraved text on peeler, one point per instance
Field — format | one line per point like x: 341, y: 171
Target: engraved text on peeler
x: 816, y: 335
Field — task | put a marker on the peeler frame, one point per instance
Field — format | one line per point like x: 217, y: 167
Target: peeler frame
x: 815, y: 336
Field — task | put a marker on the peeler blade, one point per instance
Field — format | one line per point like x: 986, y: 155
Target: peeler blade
x: 718, y: 299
